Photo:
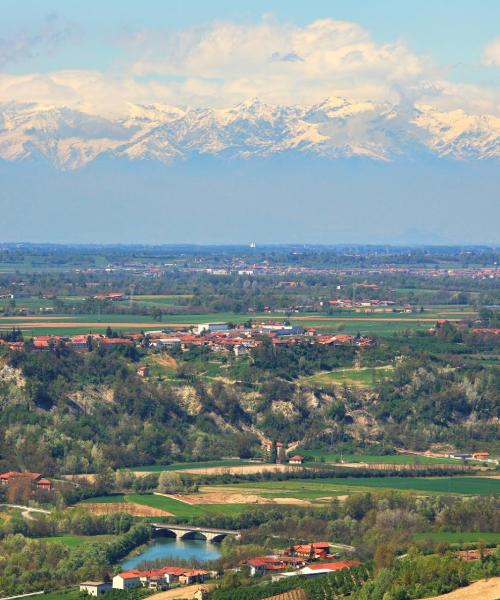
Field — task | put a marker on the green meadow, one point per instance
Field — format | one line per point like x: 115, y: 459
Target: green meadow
x: 322, y: 488
x: 365, y: 377
x: 73, y: 541
x: 389, y: 459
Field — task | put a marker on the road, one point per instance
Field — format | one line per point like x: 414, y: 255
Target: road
x: 182, y: 593
x: 27, y: 510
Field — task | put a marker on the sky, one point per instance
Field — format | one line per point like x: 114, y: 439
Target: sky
x: 100, y: 57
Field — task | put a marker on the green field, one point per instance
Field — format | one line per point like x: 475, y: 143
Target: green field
x: 192, y: 465
x: 459, y: 537
x: 72, y: 541
x: 322, y: 488
x: 177, y: 508
x: 389, y: 459
x: 374, y: 323
x: 364, y: 377
x: 62, y: 595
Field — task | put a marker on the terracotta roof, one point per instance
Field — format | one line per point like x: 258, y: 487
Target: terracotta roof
x: 335, y: 566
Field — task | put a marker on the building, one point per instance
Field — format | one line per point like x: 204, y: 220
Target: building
x: 37, y: 481
x: 127, y: 580
x: 319, y: 569
x: 210, y: 327
x: 480, y: 455
x: 313, y: 550
x: 158, y: 579
x: 296, y: 460
x: 95, y: 588
x: 262, y: 565
x: 326, y: 568
x: 113, y: 296
x: 143, y: 371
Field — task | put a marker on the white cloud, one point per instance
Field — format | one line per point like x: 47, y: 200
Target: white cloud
x: 491, y: 53
x: 225, y: 63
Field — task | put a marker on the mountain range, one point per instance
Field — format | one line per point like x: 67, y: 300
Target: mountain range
x: 335, y: 128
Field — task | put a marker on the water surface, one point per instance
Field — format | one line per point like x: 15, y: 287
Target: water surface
x: 169, y: 548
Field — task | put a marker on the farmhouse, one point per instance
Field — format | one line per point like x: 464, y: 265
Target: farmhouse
x: 261, y: 565
x: 320, y: 569
x: 126, y: 580
x: 37, y: 481
x: 312, y: 550
x: 296, y: 460
x: 95, y: 588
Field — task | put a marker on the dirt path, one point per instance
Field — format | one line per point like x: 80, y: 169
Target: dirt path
x: 183, y: 593
x: 484, y: 589
x: 27, y: 510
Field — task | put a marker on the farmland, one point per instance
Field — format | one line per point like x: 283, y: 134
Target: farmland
x: 73, y: 541
x: 170, y: 505
x: 389, y: 459
x: 364, y: 377
x: 321, y: 489
x: 347, y: 322
x: 192, y: 465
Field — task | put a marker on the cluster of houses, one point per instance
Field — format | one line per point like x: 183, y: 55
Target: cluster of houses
x: 218, y: 337
x: 154, y: 579
x: 314, y: 558
x: 36, y: 480
x: 77, y: 342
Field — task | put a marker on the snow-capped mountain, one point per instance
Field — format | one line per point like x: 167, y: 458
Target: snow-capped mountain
x: 69, y: 139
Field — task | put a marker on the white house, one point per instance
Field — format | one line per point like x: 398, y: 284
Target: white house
x: 209, y: 327
x: 95, y: 588
x: 126, y: 580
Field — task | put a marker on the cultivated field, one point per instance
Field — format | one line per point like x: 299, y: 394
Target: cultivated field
x: 485, y: 589
x: 319, y: 456
x: 364, y: 377
x: 348, y: 322
x: 322, y: 490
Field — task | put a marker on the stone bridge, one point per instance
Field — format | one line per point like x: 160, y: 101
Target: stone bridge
x: 188, y: 532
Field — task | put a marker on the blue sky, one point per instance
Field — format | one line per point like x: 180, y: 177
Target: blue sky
x: 453, y: 32
x: 101, y: 57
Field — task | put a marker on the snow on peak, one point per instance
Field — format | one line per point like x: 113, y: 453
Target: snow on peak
x: 334, y: 127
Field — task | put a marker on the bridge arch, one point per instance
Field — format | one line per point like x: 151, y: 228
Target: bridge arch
x: 192, y: 535
x: 218, y: 537
x: 164, y: 532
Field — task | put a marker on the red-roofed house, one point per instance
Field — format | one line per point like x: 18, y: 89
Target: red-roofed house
x: 37, y: 481
x: 296, y: 460
x: 260, y: 565
x: 312, y: 550
x: 324, y: 568
x: 127, y: 580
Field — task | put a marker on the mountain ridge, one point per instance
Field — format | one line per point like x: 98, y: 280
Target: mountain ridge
x: 334, y: 128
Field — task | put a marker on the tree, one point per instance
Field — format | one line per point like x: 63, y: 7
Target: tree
x: 384, y: 556
x: 170, y: 482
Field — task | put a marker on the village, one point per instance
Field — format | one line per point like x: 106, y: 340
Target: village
x: 311, y: 559
x: 219, y: 337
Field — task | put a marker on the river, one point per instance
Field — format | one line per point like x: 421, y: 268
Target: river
x: 168, y: 548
